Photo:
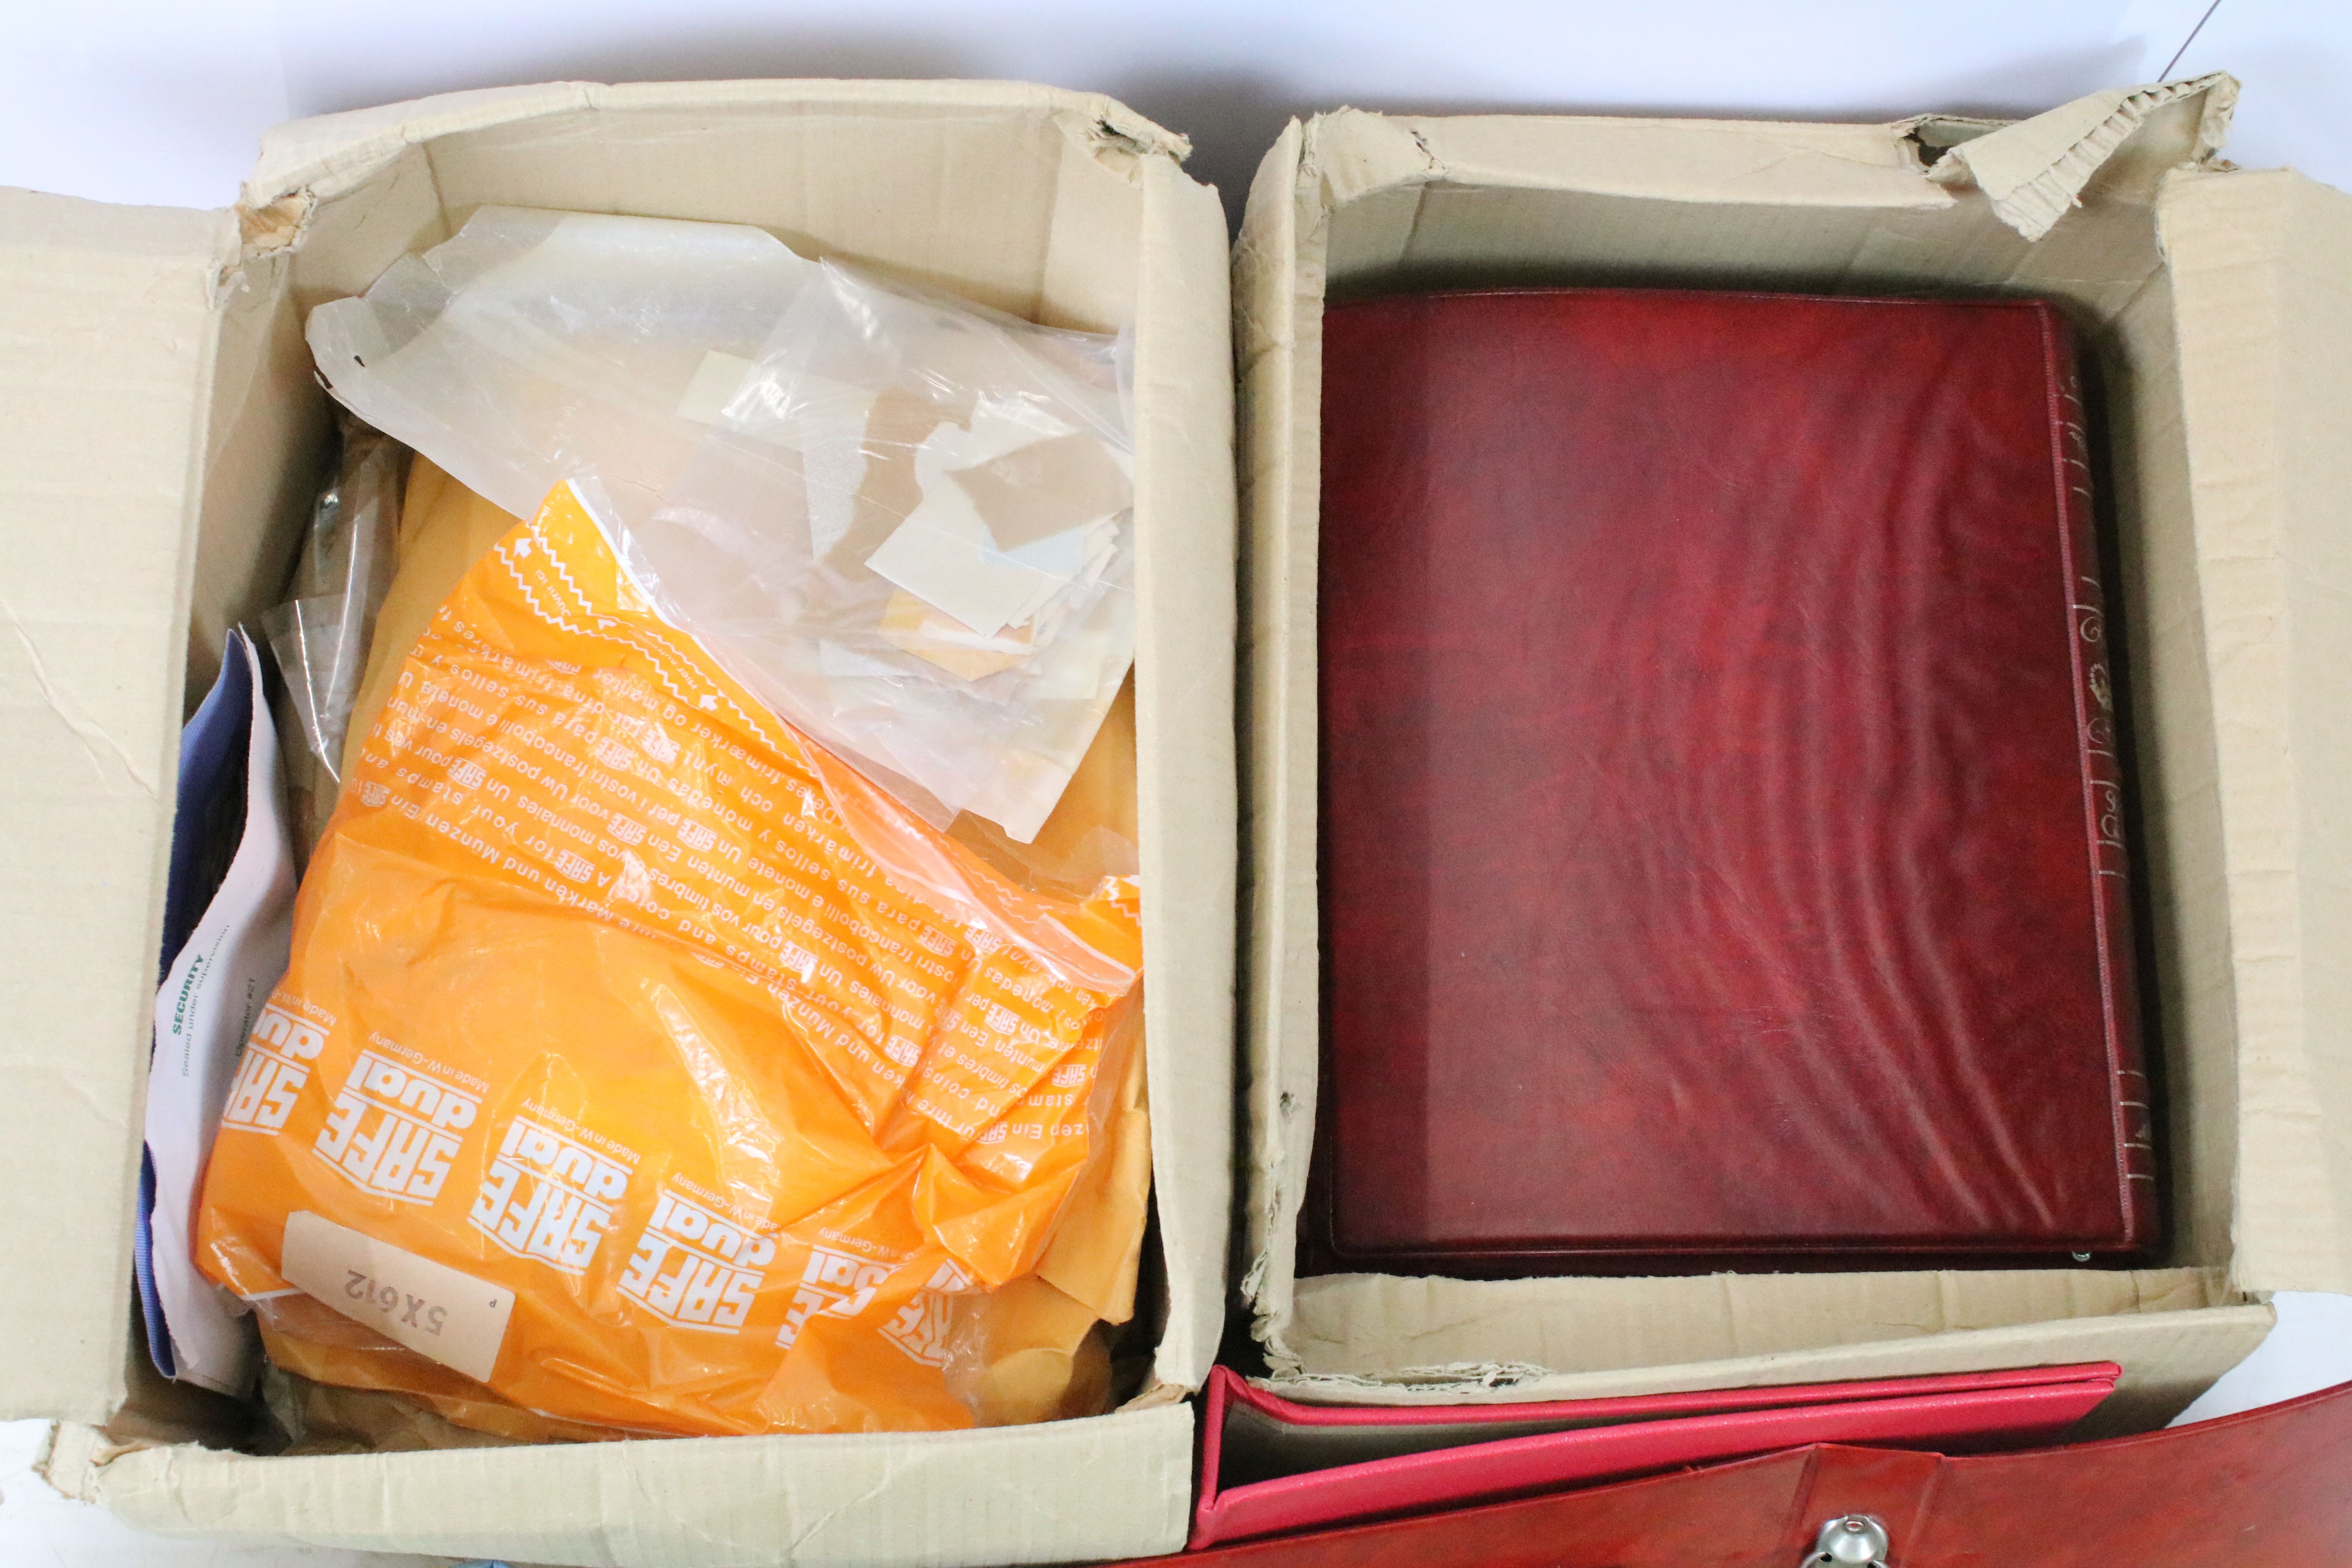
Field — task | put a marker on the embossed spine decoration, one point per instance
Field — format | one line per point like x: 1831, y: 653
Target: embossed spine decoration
x: 2103, y: 785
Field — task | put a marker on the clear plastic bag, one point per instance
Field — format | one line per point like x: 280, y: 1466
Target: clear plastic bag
x: 537, y: 347
x: 320, y: 635
x: 909, y: 531
x: 903, y: 524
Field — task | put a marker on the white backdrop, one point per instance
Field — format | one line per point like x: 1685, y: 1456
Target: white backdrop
x: 153, y: 100
x: 157, y: 101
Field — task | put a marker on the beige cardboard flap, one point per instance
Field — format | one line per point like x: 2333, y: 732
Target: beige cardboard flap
x: 2035, y: 171
x: 107, y: 329
x: 1405, y: 1331
x: 2167, y: 1357
x: 1767, y: 164
x: 330, y: 153
x: 2262, y: 265
x: 1114, y: 1486
x: 1353, y: 154
x: 1185, y: 512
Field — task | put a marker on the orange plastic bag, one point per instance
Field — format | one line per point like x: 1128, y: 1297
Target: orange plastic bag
x: 642, y: 1062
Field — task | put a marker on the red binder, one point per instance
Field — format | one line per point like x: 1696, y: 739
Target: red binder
x: 1722, y: 827
x: 1270, y: 1465
x: 2264, y: 1487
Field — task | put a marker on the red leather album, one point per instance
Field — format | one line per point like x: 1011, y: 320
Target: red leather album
x: 1270, y: 1465
x: 1722, y: 855
x: 2248, y: 1490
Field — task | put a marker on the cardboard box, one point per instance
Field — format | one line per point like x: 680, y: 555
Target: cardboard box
x: 160, y: 434
x: 2218, y: 308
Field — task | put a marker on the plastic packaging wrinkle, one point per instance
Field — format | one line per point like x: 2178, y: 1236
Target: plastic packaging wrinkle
x: 902, y: 522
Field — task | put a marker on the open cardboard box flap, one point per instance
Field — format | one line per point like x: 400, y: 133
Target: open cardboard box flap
x: 2262, y: 270
x: 109, y: 318
x: 2217, y: 306
x: 163, y: 436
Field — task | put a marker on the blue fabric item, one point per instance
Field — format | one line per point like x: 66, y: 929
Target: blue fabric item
x: 207, y: 821
x: 209, y: 817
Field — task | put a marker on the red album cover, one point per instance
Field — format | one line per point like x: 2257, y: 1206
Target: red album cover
x: 1722, y: 829
x: 2259, y: 1488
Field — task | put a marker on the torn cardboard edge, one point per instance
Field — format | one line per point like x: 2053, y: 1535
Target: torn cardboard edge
x: 1398, y: 172
x: 2035, y: 171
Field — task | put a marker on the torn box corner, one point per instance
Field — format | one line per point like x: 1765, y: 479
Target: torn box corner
x: 274, y: 225
x: 2034, y: 171
x: 1121, y: 140
x: 1141, y: 137
x: 1281, y: 1360
x: 1349, y: 154
x: 1157, y: 1395
x: 71, y: 1457
x: 1925, y: 138
x: 2220, y: 90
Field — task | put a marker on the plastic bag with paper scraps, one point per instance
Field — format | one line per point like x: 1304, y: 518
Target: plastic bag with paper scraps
x: 642, y: 1067
x: 904, y: 524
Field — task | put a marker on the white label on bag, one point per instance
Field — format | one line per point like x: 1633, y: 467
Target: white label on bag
x: 434, y: 1310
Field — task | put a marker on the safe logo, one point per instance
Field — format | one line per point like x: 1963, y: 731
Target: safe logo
x: 835, y: 1284
x: 694, y: 1269
x: 548, y: 1197
x: 274, y: 1071
x: 648, y: 736
x: 394, y: 1129
x: 920, y: 1327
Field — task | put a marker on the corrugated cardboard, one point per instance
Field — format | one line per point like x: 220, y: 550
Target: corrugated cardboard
x: 162, y: 439
x: 106, y: 357
x: 2218, y: 307
x: 1117, y: 1486
x: 2262, y: 269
